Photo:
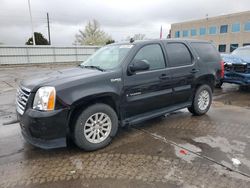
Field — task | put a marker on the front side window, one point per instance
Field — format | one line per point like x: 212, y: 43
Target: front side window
x: 212, y: 30
x: 235, y: 27
x: 153, y: 55
x: 108, y: 57
x: 202, y: 31
x: 247, y: 26
x: 178, y: 54
x: 223, y: 28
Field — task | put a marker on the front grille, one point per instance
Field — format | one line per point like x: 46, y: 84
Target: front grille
x: 240, y: 68
x: 22, y: 97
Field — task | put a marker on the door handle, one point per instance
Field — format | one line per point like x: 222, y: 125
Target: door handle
x: 194, y: 71
x: 164, y: 77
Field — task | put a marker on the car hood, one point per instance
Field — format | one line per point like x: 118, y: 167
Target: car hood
x: 55, y: 77
x: 236, y: 59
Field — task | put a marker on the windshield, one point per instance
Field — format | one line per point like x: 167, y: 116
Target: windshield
x: 242, y: 52
x: 108, y: 57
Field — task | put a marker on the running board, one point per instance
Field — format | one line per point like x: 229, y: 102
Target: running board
x: 153, y: 114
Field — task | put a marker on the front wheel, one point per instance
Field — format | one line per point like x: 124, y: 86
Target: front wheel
x: 95, y: 127
x: 202, y: 100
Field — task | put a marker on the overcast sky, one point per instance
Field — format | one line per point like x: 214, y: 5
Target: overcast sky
x: 119, y: 18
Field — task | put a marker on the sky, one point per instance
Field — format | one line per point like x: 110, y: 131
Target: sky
x: 118, y: 18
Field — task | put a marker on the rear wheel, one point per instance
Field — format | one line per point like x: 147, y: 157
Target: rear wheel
x: 202, y: 100
x: 95, y: 127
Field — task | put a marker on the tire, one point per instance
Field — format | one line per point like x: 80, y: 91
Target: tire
x: 87, y: 129
x: 199, y: 106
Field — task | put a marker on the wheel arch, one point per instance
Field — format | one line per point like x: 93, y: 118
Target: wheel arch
x: 208, y: 79
x: 108, y: 98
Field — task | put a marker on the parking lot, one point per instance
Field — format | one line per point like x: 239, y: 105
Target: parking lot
x: 178, y: 150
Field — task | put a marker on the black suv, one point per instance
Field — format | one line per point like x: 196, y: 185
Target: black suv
x: 121, y: 84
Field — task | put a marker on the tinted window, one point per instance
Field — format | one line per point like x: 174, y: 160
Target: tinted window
x: 222, y: 48
x: 206, y: 51
x: 223, y: 29
x: 178, y: 55
x: 153, y: 54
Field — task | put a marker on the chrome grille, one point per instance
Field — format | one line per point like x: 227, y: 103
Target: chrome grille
x: 21, y: 99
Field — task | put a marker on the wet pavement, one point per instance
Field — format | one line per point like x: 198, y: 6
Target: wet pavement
x: 178, y: 150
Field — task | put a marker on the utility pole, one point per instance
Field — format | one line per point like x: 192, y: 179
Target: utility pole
x: 48, y: 28
x: 32, y: 27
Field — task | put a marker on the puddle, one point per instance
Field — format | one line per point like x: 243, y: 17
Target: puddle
x: 222, y: 143
x: 224, y: 151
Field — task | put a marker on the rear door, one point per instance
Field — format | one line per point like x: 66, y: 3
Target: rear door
x: 183, y: 70
x: 147, y: 90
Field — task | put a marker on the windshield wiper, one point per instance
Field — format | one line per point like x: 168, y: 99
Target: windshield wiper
x: 93, y: 67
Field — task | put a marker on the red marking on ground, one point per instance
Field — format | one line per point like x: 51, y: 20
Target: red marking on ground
x: 184, y: 152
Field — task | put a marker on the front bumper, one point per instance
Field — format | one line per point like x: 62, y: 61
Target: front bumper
x: 237, y: 78
x: 44, y: 129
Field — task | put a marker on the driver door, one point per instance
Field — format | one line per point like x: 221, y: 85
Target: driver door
x: 149, y: 89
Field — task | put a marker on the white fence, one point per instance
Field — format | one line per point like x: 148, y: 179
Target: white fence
x: 44, y: 54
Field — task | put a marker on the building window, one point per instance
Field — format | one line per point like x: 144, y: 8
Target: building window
x: 202, y: 31
x: 185, y: 33
x: 212, y: 30
x: 222, y: 48
x: 235, y: 27
x: 223, y: 28
x: 247, y: 26
x: 233, y: 47
x: 246, y: 44
x: 177, y: 34
x: 193, y: 32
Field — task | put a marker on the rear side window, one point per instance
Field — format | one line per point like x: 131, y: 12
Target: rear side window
x: 153, y: 55
x: 206, y: 51
x: 178, y: 54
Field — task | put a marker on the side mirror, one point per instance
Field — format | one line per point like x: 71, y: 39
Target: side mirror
x: 140, y: 65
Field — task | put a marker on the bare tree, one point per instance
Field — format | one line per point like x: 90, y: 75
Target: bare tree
x: 92, y: 35
x: 138, y: 36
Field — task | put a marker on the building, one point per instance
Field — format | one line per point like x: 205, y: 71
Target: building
x: 227, y: 32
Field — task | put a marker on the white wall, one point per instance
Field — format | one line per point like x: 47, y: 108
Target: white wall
x: 44, y: 54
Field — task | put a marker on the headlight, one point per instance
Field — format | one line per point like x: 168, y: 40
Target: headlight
x: 45, y: 99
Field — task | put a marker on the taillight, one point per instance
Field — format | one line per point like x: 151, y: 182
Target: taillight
x: 222, y: 69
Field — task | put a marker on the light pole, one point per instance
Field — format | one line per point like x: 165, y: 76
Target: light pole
x: 32, y: 28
